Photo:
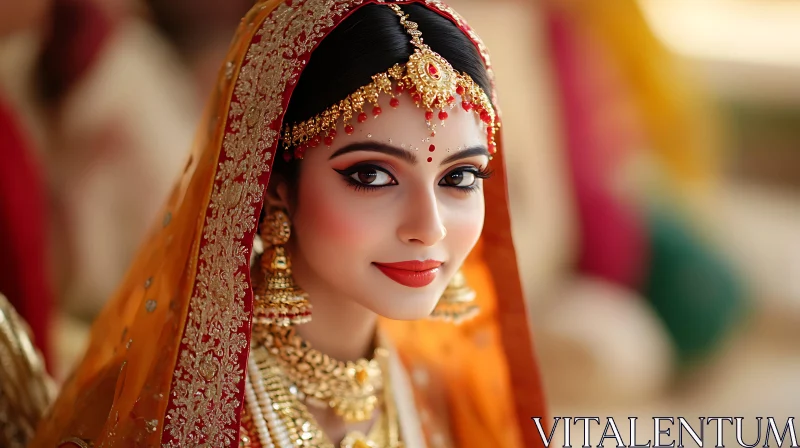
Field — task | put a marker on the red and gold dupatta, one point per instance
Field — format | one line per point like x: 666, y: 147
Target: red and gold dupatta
x: 166, y: 360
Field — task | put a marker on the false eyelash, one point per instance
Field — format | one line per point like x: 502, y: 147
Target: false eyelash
x: 483, y: 173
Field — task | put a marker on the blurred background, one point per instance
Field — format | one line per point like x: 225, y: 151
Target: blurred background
x: 654, y: 149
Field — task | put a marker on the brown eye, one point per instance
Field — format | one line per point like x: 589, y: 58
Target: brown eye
x: 367, y: 176
x: 459, y: 178
x: 372, y: 176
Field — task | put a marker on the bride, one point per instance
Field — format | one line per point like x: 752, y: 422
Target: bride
x: 343, y: 209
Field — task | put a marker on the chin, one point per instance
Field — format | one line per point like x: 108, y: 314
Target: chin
x: 404, y: 316
x: 409, y: 306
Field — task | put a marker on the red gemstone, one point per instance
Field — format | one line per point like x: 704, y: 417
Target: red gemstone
x: 451, y: 100
x: 399, y: 88
x: 287, y: 156
x: 362, y: 117
x: 271, y: 315
x: 433, y: 71
x: 314, y: 142
x: 376, y: 111
x: 417, y: 97
x: 429, y: 115
x: 443, y: 115
x: 460, y: 90
x: 485, y: 117
x: 328, y: 140
x: 349, y: 129
x: 299, y: 152
x: 466, y: 105
x: 432, y: 148
x: 332, y: 133
x: 394, y: 102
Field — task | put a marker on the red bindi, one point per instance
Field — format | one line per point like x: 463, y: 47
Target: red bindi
x: 432, y: 148
x: 430, y: 159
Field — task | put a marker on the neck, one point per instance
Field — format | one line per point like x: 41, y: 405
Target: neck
x: 339, y: 327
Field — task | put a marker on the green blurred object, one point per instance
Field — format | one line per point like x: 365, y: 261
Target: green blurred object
x: 693, y: 289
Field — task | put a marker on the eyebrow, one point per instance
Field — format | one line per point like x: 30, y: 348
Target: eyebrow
x: 406, y: 155
x: 472, y: 151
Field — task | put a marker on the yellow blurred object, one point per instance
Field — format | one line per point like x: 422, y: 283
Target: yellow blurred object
x: 677, y: 118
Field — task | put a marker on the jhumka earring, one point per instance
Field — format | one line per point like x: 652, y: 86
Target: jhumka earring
x: 457, y: 303
x: 278, y: 300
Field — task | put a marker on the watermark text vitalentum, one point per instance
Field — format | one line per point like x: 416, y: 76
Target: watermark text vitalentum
x: 670, y: 432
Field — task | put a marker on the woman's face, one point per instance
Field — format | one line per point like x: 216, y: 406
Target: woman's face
x: 386, y: 216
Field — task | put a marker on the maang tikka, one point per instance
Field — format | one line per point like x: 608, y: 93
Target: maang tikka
x: 457, y: 303
x: 427, y: 78
x: 278, y: 300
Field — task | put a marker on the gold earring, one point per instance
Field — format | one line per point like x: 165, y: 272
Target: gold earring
x: 457, y: 303
x: 277, y: 299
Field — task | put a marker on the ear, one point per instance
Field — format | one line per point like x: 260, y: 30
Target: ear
x: 278, y: 195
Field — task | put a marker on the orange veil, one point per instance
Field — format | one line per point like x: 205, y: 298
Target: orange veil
x: 167, y: 355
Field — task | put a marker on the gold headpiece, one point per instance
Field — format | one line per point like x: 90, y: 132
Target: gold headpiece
x: 427, y: 77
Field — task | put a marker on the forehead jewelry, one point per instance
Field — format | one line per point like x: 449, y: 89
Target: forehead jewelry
x: 427, y: 78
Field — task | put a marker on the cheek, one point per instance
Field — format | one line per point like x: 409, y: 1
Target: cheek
x: 326, y: 214
x: 465, y: 225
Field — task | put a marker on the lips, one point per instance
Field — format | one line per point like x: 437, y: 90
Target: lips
x: 414, y: 274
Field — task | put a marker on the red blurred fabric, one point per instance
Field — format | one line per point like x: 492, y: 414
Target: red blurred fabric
x: 78, y: 32
x: 612, y: 236
x: 24, y: 275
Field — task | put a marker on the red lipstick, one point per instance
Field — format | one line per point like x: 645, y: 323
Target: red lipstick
x: 414, y: 274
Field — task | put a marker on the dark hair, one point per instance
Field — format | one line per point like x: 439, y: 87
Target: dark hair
x: 368, y: 42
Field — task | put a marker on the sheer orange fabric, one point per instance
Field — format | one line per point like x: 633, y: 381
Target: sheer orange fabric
x: 166, y: 361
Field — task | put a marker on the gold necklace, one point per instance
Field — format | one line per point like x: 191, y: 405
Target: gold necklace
x: 283, y: 421
x: 349, y: 388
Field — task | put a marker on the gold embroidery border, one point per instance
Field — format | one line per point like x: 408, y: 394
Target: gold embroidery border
x: 206, y: 393
x: 205, y: 397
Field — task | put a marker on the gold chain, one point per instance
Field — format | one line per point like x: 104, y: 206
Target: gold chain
x: 350, y: 388
x: 296, y: 426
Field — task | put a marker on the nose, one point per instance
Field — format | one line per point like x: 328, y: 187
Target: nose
x: 422, y: 222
